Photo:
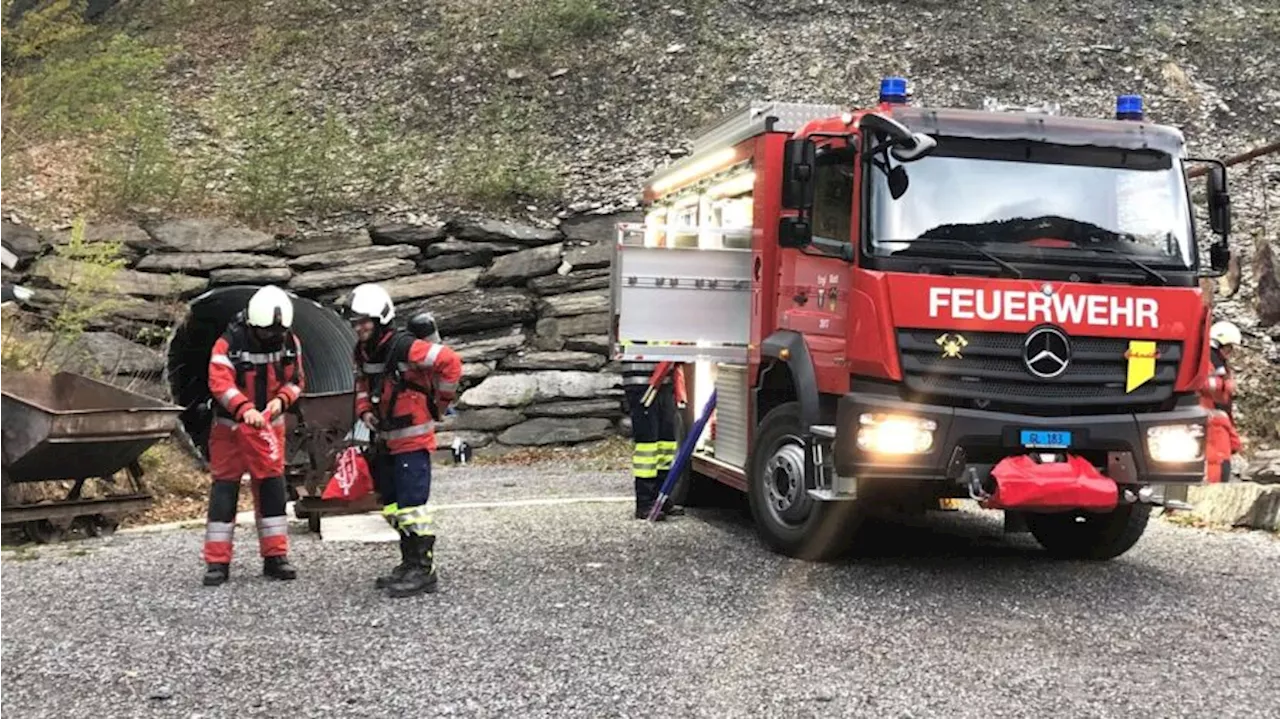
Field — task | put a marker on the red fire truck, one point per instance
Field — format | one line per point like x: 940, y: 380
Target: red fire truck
x: 901, y: 305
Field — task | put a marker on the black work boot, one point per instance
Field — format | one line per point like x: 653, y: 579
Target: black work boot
x: 398, y: 572
x: 279, y: 568
x: 646, y: 495
x: 215, y: 574
x: 429, y: 559
x: 419, y: 578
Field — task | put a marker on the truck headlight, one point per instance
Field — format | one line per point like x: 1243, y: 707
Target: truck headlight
x: 895, y: 434
x: 1176, y: 443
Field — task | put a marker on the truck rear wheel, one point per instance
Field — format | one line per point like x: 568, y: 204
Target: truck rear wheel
x: 787, y: 518
x: 1087, y: 535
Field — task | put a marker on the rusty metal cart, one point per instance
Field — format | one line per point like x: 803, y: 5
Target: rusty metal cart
x: 67, y: 427
x: 318, y: 434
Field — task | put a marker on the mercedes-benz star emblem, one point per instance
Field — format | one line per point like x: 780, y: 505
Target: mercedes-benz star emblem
x: 1046, y: 352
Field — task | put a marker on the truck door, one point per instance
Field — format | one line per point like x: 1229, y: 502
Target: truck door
x: 814, y: 282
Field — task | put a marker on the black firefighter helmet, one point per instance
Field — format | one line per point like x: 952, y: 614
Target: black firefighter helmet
x: 423, y: 326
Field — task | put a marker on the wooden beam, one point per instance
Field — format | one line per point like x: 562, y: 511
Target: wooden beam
x: 1237, y: 159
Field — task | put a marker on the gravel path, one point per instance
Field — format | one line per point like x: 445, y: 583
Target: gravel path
x: 573, y: 610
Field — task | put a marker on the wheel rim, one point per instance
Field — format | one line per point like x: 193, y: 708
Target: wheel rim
x: 783, y: 482
x: 42, y: 531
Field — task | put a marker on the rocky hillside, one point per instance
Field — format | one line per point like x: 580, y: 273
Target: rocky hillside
x: 341, y: 136
x: 535, y: 106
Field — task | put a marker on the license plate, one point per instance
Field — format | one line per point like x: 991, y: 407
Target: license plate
x: 1053, y: 438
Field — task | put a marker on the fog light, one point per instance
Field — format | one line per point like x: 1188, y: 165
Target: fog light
x: 895, y: 434
x: 1176, y: 443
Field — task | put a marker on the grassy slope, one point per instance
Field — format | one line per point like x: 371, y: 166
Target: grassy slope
x: 319, y: 105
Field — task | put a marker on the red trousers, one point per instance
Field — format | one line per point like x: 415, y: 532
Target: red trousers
x: 234, y: 450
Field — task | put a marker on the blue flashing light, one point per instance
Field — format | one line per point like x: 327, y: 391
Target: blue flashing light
x: 893, y: 90
x: 1129, y: 107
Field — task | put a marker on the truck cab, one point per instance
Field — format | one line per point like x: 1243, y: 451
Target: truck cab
x: 901, y: 304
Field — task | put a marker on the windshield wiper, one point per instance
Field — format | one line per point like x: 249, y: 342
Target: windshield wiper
x: 1136, y: 263
x: 1017, y: 273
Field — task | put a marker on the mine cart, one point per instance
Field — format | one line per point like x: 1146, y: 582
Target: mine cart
x: 323, y: 428
x: 67, y: 427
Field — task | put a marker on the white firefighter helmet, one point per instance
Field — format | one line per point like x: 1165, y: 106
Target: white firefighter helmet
x: 1224, y: 333
x: 270, y: 307
x: 370, y: 300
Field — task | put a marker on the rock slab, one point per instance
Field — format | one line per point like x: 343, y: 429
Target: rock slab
x: 554, y: 430
x: 1237, y: 504
x: 207, y: 235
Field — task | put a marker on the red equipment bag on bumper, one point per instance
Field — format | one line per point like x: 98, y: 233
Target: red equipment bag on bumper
x: 1022, y: 483
x: 351, y: 477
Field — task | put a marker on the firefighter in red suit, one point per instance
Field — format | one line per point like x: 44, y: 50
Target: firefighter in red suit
x: 1217, y: 396
x: 255, y: 375
x: 403, y: 386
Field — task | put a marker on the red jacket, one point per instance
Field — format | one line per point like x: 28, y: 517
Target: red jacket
x: 1222, y: 441
x: 431, y: 373
x: 285, y: 378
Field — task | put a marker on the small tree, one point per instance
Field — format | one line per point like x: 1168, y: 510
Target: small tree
x: 87, y: 271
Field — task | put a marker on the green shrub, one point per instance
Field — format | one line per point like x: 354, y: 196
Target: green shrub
x: 544, y: 24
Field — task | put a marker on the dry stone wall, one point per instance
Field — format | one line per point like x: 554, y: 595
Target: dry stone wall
x: 526, y: 307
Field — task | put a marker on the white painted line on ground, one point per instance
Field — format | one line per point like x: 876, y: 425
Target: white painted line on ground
x: 245, y: 519
x: 548, y: 501
x: 371, y: 527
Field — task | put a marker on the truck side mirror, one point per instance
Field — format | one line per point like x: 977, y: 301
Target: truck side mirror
x: 799, y: 157
x: 1219, y: 201
x: 1219, y: 256
x: 794, y: 232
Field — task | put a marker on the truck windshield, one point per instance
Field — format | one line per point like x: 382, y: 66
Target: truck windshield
x: 1033, y: 201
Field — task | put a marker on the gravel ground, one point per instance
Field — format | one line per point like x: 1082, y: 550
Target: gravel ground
x: 571, y: 610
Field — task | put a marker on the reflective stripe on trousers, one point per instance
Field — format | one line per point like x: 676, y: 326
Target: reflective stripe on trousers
x: 416, y: 520
x: 219, y: 531
x: 389, y: 514
x: 644, y: 460
x: 273, y: 536
x: 218, y: 538
x: 666, y: 453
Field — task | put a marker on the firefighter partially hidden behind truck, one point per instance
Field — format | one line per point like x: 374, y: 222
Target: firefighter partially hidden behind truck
x: 1218, y: 397
x: 655, y: 394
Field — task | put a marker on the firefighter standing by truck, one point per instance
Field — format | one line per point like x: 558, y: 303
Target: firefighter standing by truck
x: 255, y: 375
x: 1218, y: 397
x: 655, y: 394
x: 400, y: 382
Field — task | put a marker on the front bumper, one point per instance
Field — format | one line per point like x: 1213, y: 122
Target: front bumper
x: 971, y: 438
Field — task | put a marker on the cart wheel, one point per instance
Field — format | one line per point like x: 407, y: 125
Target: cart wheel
x: 42, y: 531
x: 313, y: 522
x: 100, y: 525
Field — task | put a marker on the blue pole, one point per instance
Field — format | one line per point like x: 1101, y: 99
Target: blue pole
x: 682, y: 458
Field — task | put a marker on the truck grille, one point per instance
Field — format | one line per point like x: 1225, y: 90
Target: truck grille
x: 990, y: 374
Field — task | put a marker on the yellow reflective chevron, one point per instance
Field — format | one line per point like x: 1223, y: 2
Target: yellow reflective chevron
x: 1142, y: 364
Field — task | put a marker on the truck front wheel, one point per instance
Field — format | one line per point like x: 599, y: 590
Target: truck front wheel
x: 1086, y: 535
x: 786, y: 517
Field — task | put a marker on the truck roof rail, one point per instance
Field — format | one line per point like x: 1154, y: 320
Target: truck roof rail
x: 754, y: 119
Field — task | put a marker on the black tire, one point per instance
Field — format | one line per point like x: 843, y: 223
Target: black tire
x: 43, y: 531
x: 1087, y: 535
x: 804, y: 528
